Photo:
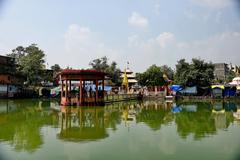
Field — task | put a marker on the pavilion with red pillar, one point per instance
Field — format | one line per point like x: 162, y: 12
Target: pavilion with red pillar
x: 82, y: 87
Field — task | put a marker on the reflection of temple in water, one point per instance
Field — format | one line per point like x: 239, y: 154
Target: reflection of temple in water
x: 86, y: 124
x: 82, y: 124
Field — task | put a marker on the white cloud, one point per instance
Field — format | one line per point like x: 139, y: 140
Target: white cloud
x: 151, y: 51
x: 83, y: 45
x: 223, y: 47
x: 215, y: 4
x: 133, y: 41
x: 137, y: 20
x: 167, y: 49
x: 164, y: 39
x: 77, y: 38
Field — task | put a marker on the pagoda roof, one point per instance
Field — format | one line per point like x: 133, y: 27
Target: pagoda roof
x: 132, y: 81
x: 128, y: 71
x: 128, y: 75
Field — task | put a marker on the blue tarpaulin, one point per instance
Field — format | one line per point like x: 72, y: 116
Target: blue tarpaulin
x: 217, y: 91
x: 93, y: 88
x: 229, y: 91
x: 176, y: 109
x: 176, y: 88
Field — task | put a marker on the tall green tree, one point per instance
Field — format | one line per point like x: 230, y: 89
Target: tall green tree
x: 168, y: 71
x: 56, y: 68
x: 102, y: 64
x: 153, y: 76
x: 196, y: 73
x: 17, y: 54
x: 230, y: 76
x: 30, y: 61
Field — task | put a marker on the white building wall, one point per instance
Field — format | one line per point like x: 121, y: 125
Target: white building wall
x: 3, y: 88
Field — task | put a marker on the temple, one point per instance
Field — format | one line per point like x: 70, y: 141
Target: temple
x: 130, y: 76
x: 82, y: 87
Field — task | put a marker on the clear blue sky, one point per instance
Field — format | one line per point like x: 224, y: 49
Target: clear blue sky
x: 143, y: 32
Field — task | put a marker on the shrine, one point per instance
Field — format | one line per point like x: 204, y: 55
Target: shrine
x: 82, y: 87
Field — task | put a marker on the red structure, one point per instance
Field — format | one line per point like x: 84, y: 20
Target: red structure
x: 82, y: 87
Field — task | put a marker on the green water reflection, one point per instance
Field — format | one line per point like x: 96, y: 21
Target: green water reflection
x: 135, y: 129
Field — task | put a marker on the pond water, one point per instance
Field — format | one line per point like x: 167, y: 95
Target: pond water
x: 35, y: 129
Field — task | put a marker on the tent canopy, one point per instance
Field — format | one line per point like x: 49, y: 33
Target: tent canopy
x: 217, y: 86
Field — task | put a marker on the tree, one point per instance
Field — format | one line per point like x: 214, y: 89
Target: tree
x: 230, y: 76
x: 168, y: 71
x: 153, y: 76
x: 56, y: 68
x: 101, y: 64
x: 17, y: 53
x: 30, y: 61
x: 197, y: 73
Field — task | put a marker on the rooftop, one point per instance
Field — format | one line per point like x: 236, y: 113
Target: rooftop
x: 81, y: 72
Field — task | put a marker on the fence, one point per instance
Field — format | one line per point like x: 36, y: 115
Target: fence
x: 120, y: 97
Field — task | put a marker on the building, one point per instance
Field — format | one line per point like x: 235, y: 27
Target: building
x: 11, y: 82
x: 131, y: 77
x: 221, y: 71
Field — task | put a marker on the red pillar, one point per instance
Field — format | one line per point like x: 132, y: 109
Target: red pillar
x: 103, y: 89
x: 80, y: 90
x: 62, y: 89
x: 66, y: 92
x: 84, y: 95
x: 96, y: 90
